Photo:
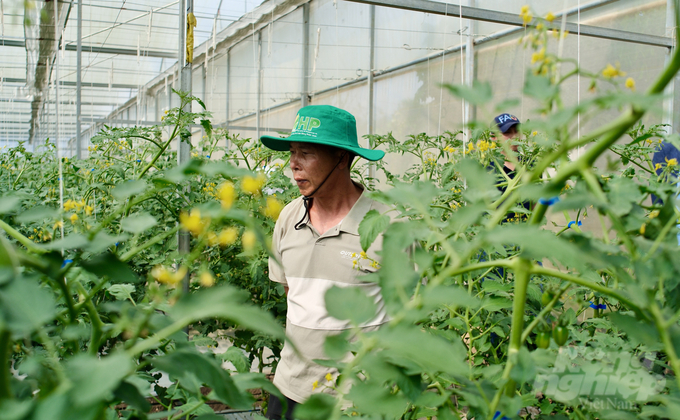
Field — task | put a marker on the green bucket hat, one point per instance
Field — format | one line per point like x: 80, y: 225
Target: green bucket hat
x: 324, y: 124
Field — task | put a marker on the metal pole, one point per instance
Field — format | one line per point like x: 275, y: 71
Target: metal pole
x: 304, y: 81
x: 79, y: 64
x: 184, y: 143
x: 259, y: 83
x: 371, y: 66
x: 669, y: 92
x: 226, y: 145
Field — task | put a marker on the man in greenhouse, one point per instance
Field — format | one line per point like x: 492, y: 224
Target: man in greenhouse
x: 316, y: 247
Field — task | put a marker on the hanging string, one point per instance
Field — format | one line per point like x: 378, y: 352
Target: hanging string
x: 462, y: 72
x: 441, y: 82
x: 337, y: 55
x: 578, y: 77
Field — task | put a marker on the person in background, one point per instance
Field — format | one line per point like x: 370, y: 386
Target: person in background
x: 508, y: 126
x: 316, y: 242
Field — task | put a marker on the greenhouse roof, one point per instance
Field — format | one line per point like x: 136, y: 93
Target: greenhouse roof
x: 125, y: 44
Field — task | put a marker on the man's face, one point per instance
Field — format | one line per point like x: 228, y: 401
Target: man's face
x: 512, y: 133
x: 311, y: 164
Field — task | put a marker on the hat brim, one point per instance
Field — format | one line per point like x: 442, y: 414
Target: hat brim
x: 505, y: 127
x: 283, y: 145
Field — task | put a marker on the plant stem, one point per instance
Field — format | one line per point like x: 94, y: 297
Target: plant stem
x: 96, y: 334
x: 5, y: 343
x: 30, y: 245
x: 669, y: 347
x: 156, y: 239
x: 543, y: 313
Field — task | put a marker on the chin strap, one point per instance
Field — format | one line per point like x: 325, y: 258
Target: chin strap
x: 306, y: 199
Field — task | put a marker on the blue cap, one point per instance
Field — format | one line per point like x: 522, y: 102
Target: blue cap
x: 505, y: 121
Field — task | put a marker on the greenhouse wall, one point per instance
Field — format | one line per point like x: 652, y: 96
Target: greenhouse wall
x: 262, y: 70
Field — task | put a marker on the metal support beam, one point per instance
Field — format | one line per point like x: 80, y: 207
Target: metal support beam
x: 184, y: 143
x: 259, y: 84
x: 79, y: 67
x: 75, y: 84
x: 669, y: 92
x: 226, y: 105
x: 444, y: 9
x: 304, y: 80
x: 4, y: 42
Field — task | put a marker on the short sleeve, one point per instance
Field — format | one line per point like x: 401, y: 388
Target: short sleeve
x: 276, y: 272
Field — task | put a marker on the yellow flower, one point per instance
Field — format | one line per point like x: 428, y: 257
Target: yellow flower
x: 73, y: 218
x: 206, y: 279
x: 630, y: 83
x: 549, y: 17
x: 273, y: 208
x: 80, y: 204
x: 643, y: 228
x: 540, y: 26
x: 249, y: 239
x: 363, y: 255
x: 228, y: 236
x: 329, y: 377
x: 449, y: 149
x: 315, y: 385
x: 671, y: 162
x: 212, y: 239
x: 610, y: 71
x: 227, y: 194
x: 252, y: 185
x: 165, y: 276
x: 524, y: 10
x: 483, y: 145
x: 59, y: 224
x: 471, y: 147
x: 657, y: 167
x: 538, y: 56
x: 69, y: 205
x: 89, y: 210
x: 193, y: 222
x: 653, y: 214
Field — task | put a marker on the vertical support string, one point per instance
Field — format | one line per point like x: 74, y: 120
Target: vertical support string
x: 56, y: 115
x: 441, y: 82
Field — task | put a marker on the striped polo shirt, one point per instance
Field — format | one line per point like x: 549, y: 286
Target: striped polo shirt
x: 312, y: 264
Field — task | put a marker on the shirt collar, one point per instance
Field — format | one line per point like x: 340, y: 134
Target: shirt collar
x: 350, y: 224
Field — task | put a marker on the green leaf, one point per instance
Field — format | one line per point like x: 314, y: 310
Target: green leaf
x: 187, y: 362
x: 15, y: 410
x: 126, y: 189
x: 9, y: 203
x: 37, y: 214
x: 350, y: 303
x: 637, y: 330
x: 373, y: 398
x: 207, y: 126
x: 225, y: 302
x: 25, y: 305
x: 122, y: 291
x: 479, y: 94
x: 317, y: 407
x: 72, y: 241
x: 480, y: 182
x: 524, y: 369
x: 103, y: 241
x: 539, y: 87
x: 129, y: 394
x: 337, y: 346
x: 237, y: 358
x: 108, y: 265
x: 94, y: 379
x: 371, y: 226
x: 404, y: 345
x: 138, y: 222
x: 8, y: 260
